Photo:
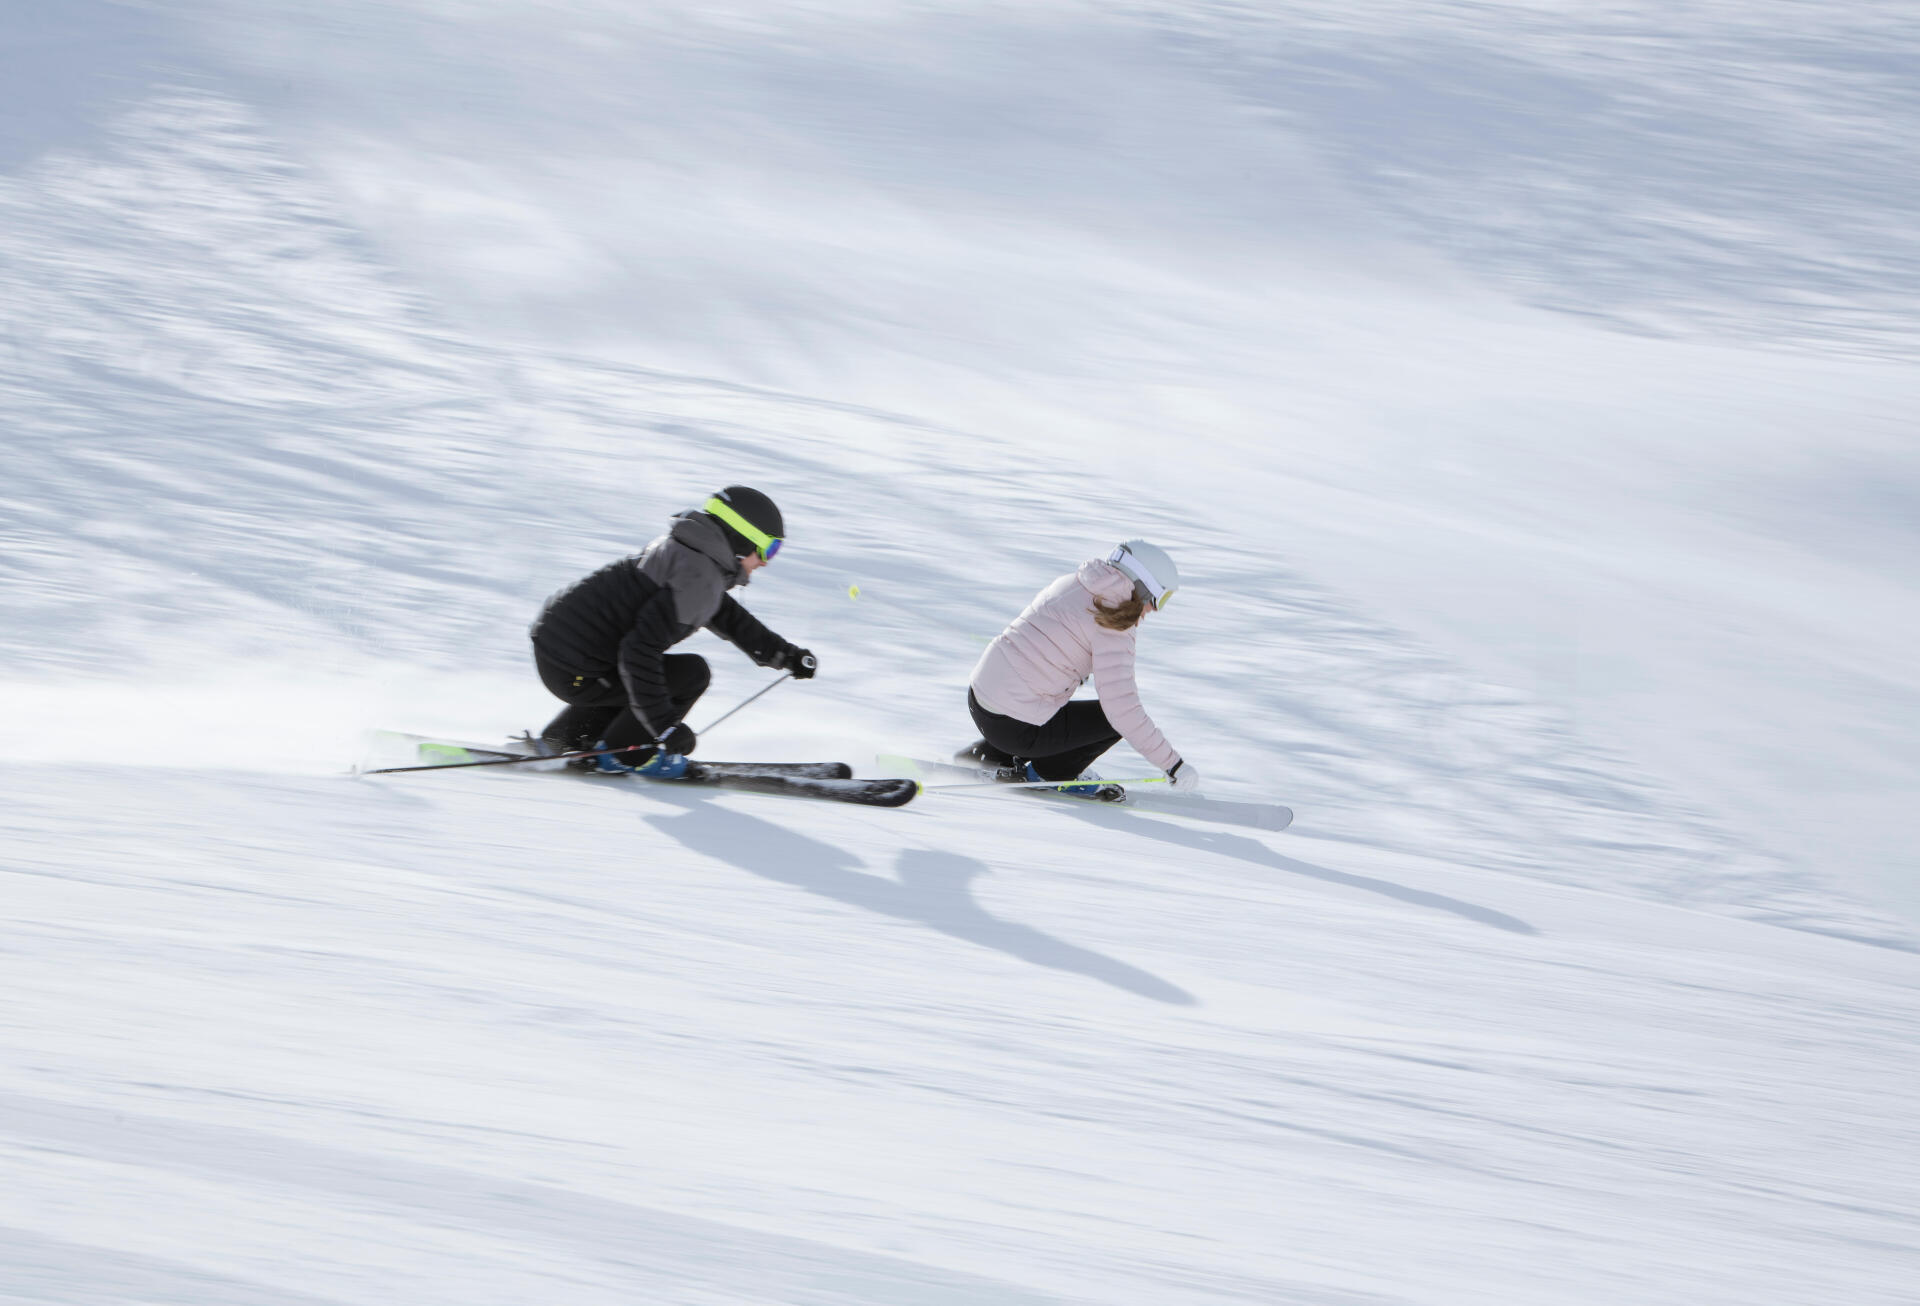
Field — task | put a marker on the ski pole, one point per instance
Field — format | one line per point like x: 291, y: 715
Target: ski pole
x: 500, y: 761
x: 724, y: 715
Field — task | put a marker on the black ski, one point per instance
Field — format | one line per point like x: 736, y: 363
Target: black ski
x: 835, y: 788
x: 446, y: 755
x: 829, y: 780
x: 716, y: 771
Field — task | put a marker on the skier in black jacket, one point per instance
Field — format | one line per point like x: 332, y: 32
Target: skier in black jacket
x: 601, y: 644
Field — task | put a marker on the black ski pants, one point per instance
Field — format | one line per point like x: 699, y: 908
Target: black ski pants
x: 1059, y: 750
x: 597, y: 706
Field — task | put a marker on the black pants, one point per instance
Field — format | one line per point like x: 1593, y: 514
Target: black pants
x: 1059, y: 750
x: 597, y: 707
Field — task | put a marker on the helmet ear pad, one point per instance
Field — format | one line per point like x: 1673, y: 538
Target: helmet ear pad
x: 737, y: 544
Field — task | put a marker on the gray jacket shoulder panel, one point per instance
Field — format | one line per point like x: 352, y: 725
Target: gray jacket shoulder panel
x: 692, y: 560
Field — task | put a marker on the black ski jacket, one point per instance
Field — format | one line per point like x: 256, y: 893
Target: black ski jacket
x: 623, y: 618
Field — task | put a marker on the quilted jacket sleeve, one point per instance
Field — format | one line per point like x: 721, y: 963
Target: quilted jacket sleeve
x: 1120, y: 697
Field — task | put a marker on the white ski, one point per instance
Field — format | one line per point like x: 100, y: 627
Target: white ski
x: 1157, y: 798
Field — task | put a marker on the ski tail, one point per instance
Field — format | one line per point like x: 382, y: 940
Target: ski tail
x: 394, y: 750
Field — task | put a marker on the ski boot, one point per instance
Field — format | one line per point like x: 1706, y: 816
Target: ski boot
x: 649, y: 761
x: 605, y: 763
x: 662, y: 766
x: 1088, y: 785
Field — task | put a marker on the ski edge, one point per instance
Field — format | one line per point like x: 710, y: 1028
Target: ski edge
x: 1270, y: 817
x: 435, y: 753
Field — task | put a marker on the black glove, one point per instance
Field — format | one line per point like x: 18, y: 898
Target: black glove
x: 678, y: 740
x: 798, y: 661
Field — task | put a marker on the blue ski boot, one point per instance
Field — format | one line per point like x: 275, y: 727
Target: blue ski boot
x: 605, y: 763
x: 662, y: 766
x: 1089, y: 785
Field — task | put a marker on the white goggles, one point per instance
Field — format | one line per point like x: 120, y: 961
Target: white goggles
x: 1129, y: 562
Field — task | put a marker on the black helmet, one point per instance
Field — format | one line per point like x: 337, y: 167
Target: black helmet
x: 743, y: 514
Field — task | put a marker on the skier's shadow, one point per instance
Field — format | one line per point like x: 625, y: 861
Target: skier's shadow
x: 1252, y: 850
x: 931, y: 889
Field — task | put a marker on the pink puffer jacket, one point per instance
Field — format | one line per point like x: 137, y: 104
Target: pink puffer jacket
x: 1032, y: 669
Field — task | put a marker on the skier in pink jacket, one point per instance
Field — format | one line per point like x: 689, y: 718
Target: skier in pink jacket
x: 1083, y: 624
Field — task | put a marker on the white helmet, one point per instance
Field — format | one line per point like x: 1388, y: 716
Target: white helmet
x: 1155, y: 578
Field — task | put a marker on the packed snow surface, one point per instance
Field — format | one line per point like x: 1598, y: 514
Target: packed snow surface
x: 1525, y: 391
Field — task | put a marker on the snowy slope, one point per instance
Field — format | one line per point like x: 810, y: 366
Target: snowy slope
x: 305, y: 1039
x: 334, y: 339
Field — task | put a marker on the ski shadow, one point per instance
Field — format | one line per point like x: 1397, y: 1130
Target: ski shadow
x: 1252, y: 850
x: 930, y: 888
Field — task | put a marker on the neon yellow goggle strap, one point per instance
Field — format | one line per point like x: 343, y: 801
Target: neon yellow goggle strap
x: 766, y: 544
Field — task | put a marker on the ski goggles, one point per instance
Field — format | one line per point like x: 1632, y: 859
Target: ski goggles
x: 1144, y: 582
x: 766, y: 545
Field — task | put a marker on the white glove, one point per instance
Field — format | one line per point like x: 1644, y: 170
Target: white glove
x: 1183, y: 777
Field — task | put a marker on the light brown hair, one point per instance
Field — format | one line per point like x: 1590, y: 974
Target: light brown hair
x: 1119, y: 616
